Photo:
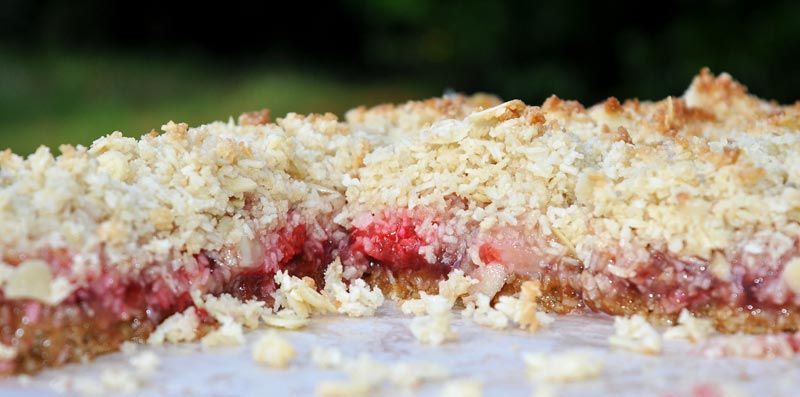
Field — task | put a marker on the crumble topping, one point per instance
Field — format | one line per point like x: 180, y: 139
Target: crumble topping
x: 365, y: 375
x: 635, y: 334
x: 33, y: 279
x: 170, y: 195
x: 690, y: 328
x: 690, y: 176
x: 522, y: 310
x: 7, y: 353
x: 246, y: 313
x: 566, y: 366
x: 273, y: 350
x: 300, y: 296
x: 286, y: 319
x: 413, y: 374
x: 466, y: 387
x: 145, y: 363
x: 791, y: 275
x: 229, y: 333
x: 387, y: 123
x: 355, y: 299
x: 180, y: 327
x: 434, y: 327
x: 345, y: 388
x: 480, y: 311
x: 456, y: 285
x: 326, y: 357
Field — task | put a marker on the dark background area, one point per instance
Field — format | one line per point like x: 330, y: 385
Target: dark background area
x: 71, y: 71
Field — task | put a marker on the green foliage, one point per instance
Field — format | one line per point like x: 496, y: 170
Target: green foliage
x: 74, y: 99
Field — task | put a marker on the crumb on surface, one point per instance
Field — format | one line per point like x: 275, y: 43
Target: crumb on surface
x: 180, y: 327
x: 435, y: 327
x: 465, y: 387
x: 635, y: 334
x: 300, y: 296
x: 323, y: 357
x: 356, y: 299
x: 230, y: 333
x: 273, y: 350
x: 568, y: 366
x: 690, y: 328
x: 145, y: 363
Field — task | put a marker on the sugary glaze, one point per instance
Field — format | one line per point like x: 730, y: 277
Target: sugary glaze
x: 634, y: 207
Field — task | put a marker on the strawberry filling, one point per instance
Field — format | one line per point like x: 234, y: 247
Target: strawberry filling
x: 392, y: 241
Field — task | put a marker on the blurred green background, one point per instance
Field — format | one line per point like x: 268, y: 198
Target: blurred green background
x: 72, y: 71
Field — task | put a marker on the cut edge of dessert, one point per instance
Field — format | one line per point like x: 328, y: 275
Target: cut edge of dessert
x: 687, y: 204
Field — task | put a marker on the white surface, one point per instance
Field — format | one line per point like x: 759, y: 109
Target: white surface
x: 491, y: 356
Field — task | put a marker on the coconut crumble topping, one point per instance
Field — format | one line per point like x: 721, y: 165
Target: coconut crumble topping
x: 146, y: 363
x: 323, y: 357
x: 635, y: 334
x: 180, y: 327
x: 229, y: 333
x: 435, y: 327
x: 480, y: 311
x: 566, y: 366
x: 366, y: 375
x: 273, y: 350
x: 686, y: 175
x: 300, y: 296
x: 356, y: 299
x: 247, y: 313
x: 7, y: 353
x: 791, y: 275
x: 465, y: 387
x: 690, y: 328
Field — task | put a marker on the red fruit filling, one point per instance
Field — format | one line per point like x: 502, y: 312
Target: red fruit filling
x: 392, y: 241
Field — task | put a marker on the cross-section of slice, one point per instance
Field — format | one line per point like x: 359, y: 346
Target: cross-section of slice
x: 98, y: 245
x: 641, y: 207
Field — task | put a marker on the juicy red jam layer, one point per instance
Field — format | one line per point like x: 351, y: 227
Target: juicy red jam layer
x: 392, y: 241
x: 113, y: 307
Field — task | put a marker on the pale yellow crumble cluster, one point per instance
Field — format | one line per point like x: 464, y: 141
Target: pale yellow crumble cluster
x: 568, y: 366
x: 33, y: 279
x: 178, y: 328
x: 433, y: 313
x: 435, y: 326
x: 691, y: 175
x: 690, y: 328
x: 273, y: 350
x: 465, y: 387
x: 300, y: 296
x: 366, y: 376
x: 114, y: 380
x: 791, y: 275
x: 520, y: 309
x: 635, y: 334
x: 229, y: 333
x: 387, y: 123
x: 296, y: 300
x: 7, y: 353
x: 356, y: 299
x: 247, y: 313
